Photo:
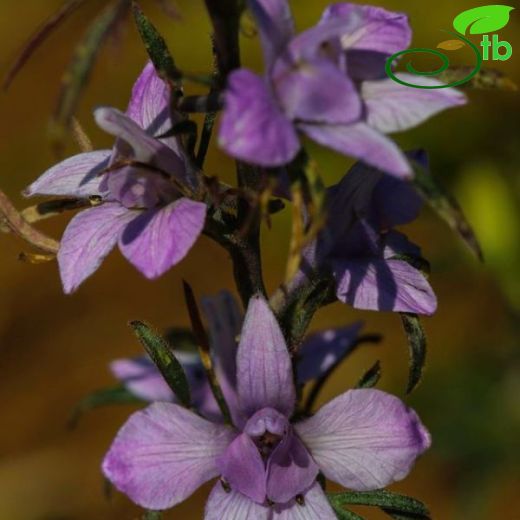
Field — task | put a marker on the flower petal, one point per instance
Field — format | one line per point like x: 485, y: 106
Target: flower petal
x: 232, y: 505
x: 253, y: 128
x: 264, y: 369
x: 364, y: 439
x: 242, y: 467
x: 316, y: 92
x: 363, y: 142
x: 141, y: 377
x: 160, y: 238
x: 383, y: 285
x: 163, y: 454
x: 321, y: 350
x: 88, y: 239
x: 77, y: 176
x: 392, y: 107
x: 290, y: 469
x: 315, y: 506
x: 275, y: 24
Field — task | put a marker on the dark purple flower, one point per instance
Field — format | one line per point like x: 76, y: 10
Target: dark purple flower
x: 328, y: 83
x: 138, y: 182
x: 364, y: 439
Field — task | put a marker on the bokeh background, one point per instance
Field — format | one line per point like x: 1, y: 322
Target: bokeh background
x: 54, y: 349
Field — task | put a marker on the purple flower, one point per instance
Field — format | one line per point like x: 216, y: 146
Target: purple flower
x: 139, y: 184
x: 363, y: 439
x: 328, y: 83
x: 366, y: 256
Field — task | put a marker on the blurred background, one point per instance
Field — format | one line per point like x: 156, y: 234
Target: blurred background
x: 54, y: 349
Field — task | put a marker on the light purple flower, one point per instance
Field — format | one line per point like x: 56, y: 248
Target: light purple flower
x: 366, y: 256
x: 328, y: 83
x: 138, y: 183
x: 364, y: 439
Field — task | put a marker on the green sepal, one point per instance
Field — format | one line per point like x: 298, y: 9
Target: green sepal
x: 162, y: 355
x: 152, y: 515
x: 371, y: 377
x: 417, y: 348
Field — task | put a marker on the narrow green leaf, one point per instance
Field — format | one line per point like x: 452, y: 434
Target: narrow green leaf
x: 162, y: 355
x: 485, y: 79
x: 417, y: 348
x: 371, y: 377
x: 99, y: 398
x: 157, y: 49
x: 445, y: 206
x: 387, y: 500
x: 345, y: 514
x: 483, y: 19
x: 78, y: 72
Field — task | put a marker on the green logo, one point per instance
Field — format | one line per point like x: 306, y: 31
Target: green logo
x: 480, y: 20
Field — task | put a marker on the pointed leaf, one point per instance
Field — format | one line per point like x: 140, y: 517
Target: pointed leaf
x: 484, y: 19
x: 162, y: 355
x: 99, y: 398
x: 371, y: 377
x: 446, y: 207
x: 417, y: 348
x: 345, y: 514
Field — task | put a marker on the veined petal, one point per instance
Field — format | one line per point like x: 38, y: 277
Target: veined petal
x: 321, y: 350
x: 383, y: 285
x: 232, y: 505
x: 163, y: 454
x: 315, y: 506
x: 264, y: 369
x: 253, y: 128
x: 364, y: 439
x: 363, y: 142
x: 88, y: 239
x: 392, y: 107
x: 77, y: 176
x: 275, y: 24
x: 160, y: 238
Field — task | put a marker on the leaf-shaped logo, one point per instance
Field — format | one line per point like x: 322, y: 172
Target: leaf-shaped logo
x: 482, y: 20
x: 451, y: 45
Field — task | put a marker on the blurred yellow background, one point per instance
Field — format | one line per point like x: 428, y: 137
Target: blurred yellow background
x: 54, y: 349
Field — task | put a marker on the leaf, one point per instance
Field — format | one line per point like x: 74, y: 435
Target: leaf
x: 484, y: 19
x: 152, y: 515
x: 390, y: 502
x: 345, y: 514
x: 36, y: 39
x: 417, y: 348
x: 446, y: 207
x: 451, y: 45
x: 371, y: 377
x: 104, y: 397
x: 157, y: 49
x: 484, y: 79
x: 78, y: 72
x: 162, y: 355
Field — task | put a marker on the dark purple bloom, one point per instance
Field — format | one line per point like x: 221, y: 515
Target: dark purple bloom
x: 363, y: 439
x: 139, y: 184
x: 328, y: 83
x: 369, y: 260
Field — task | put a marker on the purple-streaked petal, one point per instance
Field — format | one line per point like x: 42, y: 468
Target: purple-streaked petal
x: 160, y: 238
x: 140, y: 377
x: 383, y: 285
x: 232, y: 505
x: 290, y: 469
x: 242, y: 467
x: 315, y: 506
x: 77, y: 176
x: 88, y: 239
x: 163, y: 454
x: 364, y: 439
x: 264, y: 369
x: 253, y: 128
x: 316, y: 92
x: 321, y: 350
x: 392, y: 107
x: 275, y: 25
x: 362, y: 142
x: 145, y: 148
x: 370, y: 28
x: 225, y: 321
